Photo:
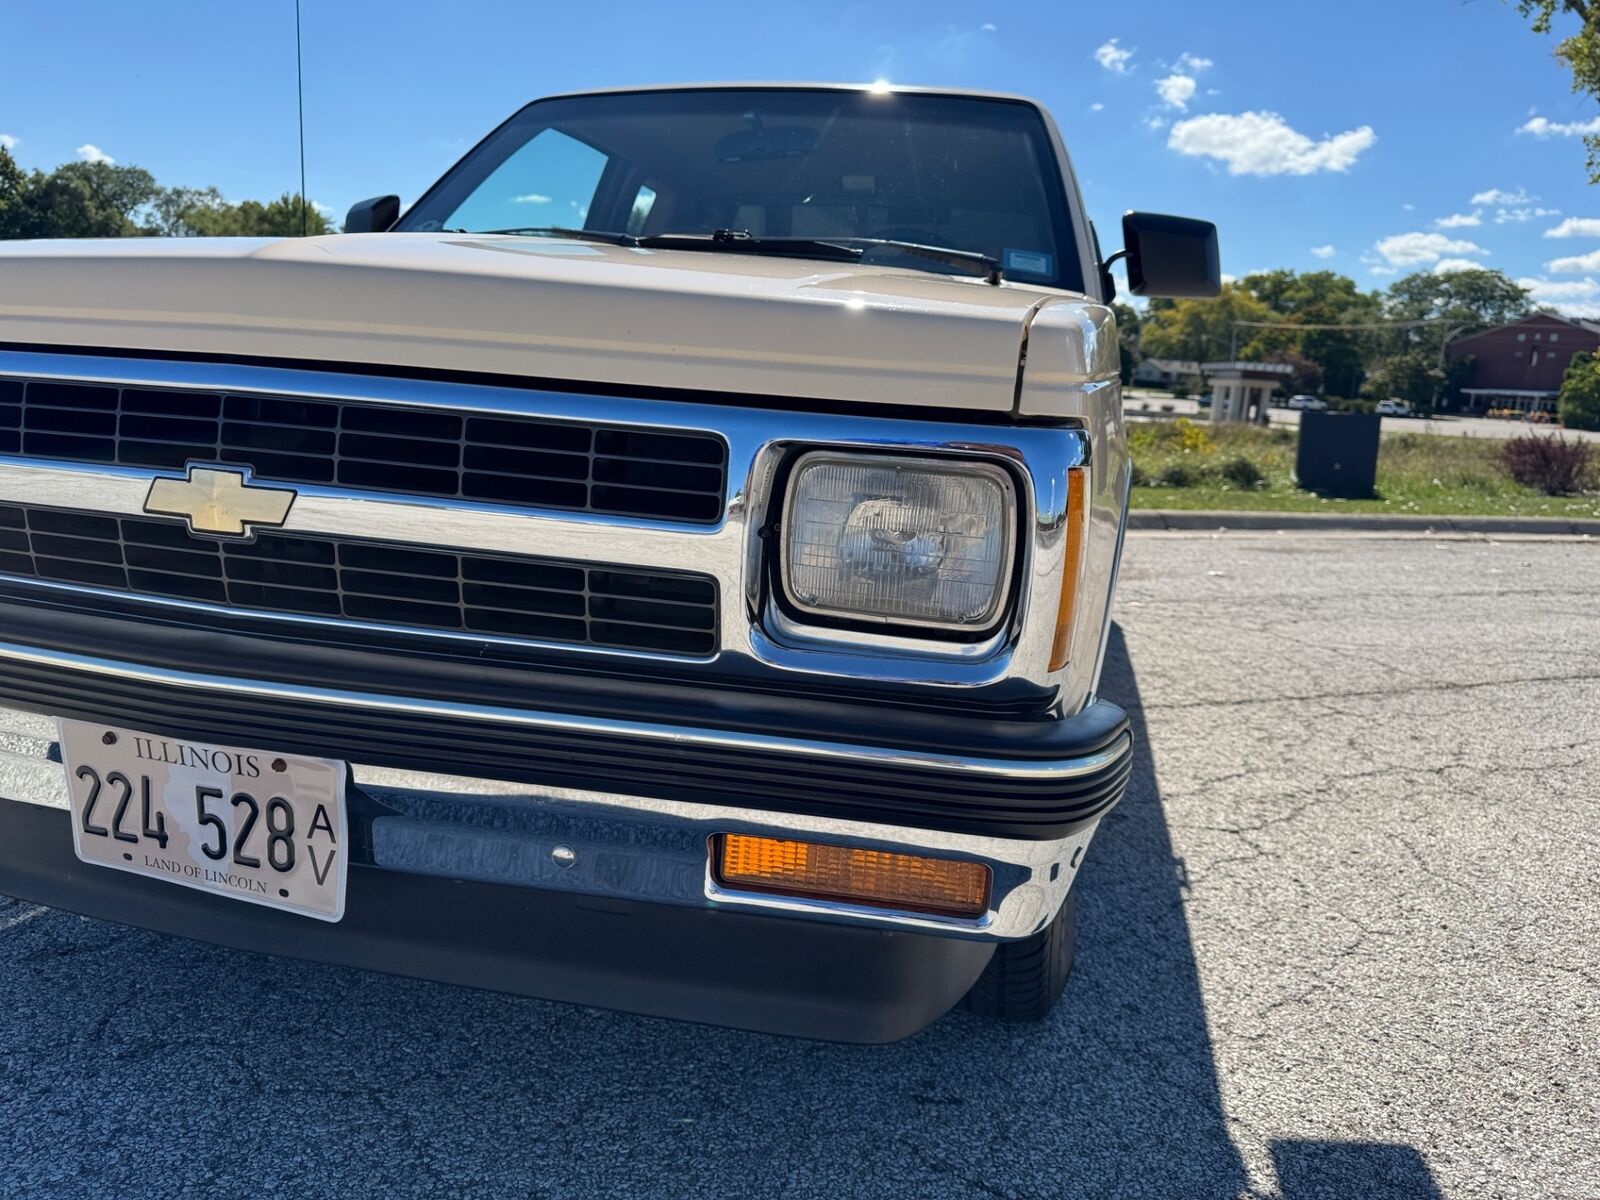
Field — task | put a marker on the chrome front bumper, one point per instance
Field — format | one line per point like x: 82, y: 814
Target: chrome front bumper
x: 627, y: 847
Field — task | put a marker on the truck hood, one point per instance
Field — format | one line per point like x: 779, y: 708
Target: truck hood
x: 541, y: 308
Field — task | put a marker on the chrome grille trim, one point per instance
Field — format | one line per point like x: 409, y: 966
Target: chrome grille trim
x: 760, y: 442
x: 579, y: 465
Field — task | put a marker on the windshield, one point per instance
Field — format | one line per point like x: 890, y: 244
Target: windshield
x: 962, y: 172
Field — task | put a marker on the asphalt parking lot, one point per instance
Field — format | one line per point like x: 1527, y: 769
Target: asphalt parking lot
x: 1338, y: 941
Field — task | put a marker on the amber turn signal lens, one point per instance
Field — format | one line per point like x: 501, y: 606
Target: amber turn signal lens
x: 1077, y: 519
x: 878, y: 878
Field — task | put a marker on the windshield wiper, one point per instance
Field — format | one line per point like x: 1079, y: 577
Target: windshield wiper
x: 840, y: 249
x: 582, y: 235
x: 742, y: 241
x: 982, y: 264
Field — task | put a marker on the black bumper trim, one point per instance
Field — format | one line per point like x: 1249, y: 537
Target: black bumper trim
x: 750, y: 972
x: 1031, y: 804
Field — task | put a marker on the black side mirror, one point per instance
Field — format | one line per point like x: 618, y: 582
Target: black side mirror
x: 1174, y: 257
x: 372, y: 216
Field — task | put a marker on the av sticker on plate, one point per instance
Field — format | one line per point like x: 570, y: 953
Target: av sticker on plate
x: 1028, y: 262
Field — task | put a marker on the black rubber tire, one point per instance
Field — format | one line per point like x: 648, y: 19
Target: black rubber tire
x: 1024, y: 979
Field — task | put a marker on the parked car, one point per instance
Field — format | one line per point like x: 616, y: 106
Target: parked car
x: 1393, y: 408
x: 1205, y: 401
x: 1314, y: 403
x: 643, y: 573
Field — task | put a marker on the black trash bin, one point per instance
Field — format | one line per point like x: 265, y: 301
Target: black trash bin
x: 1338, y: 453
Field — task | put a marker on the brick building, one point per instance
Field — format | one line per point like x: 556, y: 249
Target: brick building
x: 1520, y: 365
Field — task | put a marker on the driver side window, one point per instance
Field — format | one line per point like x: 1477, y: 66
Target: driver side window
x: 551, y: 180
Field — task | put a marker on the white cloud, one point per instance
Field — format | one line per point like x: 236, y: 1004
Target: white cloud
x: 1576, y: 227
x: 325, y: 209
x: 1096, y: 107
x: 1176, y: 91
x: 8, y: 141
x: 1551, y: 291
x: 1263, y: 143
x: 1460, y: 220
x: 1322, y: 251
x: 1575, y: 297
x: 91, y: 153
x: 1155, y: 121
x: 1445, y: 265
x: 1541, y: 127
x: 987, y: 27
x: 1414, y: 249
x: 1192, y: 62
x: 1575, y: 264
x: 1409, y: 207
x: 1113, y: 57
x: 1500, y: 196
x: 531, y: 198
x: 1518, y: 215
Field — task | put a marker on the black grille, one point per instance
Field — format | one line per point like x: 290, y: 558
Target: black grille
x: 611, y: 469
x: 364, y: 581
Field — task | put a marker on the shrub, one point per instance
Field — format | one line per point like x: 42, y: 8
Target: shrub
x: 1552, y: 465
x: 1241, y: 472
x: 1177, y: 475
x: 1139, y: 477
x: 1579, y: 404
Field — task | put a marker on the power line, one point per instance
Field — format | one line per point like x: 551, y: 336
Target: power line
x: 1355, y: 325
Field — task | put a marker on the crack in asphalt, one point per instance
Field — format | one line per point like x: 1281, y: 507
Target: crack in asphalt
x: 1360, y: 693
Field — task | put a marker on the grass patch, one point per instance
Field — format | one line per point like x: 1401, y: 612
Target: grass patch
x: 1184, y: 464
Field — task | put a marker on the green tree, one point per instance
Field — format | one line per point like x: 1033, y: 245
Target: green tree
x: 1579, y: 403
x: 76, y: 200
x: 169, y: 211
x: 1320, y: 298
x: 1475, y: 297
x: 1413, y: 377
x: 1580, y: 52
x: 1204, y: 330
x: 251, y: 218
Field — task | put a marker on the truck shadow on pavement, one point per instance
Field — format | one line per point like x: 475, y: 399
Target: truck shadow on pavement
x: 139, y: 1064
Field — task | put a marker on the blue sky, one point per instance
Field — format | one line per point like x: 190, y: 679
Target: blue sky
x: 1369, y: 136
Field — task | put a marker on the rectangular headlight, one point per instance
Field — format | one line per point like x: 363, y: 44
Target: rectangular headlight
x: 911, y: 541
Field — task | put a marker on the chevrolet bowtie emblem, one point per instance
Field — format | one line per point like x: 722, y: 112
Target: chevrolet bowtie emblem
x: 220, y: 501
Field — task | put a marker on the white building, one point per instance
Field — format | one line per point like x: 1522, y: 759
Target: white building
x: 1242, y: 391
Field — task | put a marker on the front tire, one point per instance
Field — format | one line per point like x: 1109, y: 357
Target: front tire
x: 1025, y: 978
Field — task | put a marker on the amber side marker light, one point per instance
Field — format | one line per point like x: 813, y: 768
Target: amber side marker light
x: 876, y: 878
x: 1077, y: 517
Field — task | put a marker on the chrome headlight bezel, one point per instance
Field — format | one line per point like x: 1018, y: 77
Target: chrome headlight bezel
x: 829, y: 616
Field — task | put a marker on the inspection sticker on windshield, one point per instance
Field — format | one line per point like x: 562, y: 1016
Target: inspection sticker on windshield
x: 1027, y: 262
x: 253, y: 825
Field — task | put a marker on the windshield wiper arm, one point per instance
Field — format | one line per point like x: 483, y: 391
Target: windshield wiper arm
x: 740, y: 241
x: 582, y: 235
x: 843, y: 249
x: 983, y: 264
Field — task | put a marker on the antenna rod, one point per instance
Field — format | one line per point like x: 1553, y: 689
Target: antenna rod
x: 300, y: 104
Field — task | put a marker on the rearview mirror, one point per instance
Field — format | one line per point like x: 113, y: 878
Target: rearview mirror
x: 372, y: 216
x: 1171, y: 257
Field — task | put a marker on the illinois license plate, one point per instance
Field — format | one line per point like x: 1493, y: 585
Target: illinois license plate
x: 252, y: 825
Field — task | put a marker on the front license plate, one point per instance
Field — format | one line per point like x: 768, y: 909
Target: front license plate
x: 249, y: 824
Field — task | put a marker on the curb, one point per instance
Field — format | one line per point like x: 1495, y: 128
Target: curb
x: 1212, y: 520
